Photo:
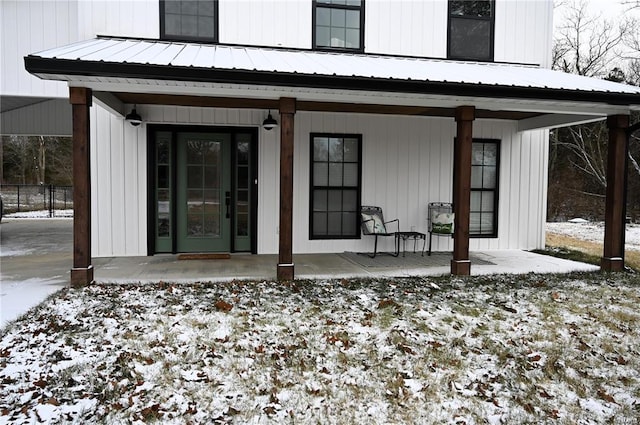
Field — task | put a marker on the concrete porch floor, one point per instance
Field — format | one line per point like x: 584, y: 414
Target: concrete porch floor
x: 321, y: 266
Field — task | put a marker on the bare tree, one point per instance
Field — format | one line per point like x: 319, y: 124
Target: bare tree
x: 631, y: 4
x: 591, y: 46
x: 586, y: 44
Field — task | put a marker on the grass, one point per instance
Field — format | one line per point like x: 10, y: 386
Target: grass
x: 570, y: 248
x: 493, y: 349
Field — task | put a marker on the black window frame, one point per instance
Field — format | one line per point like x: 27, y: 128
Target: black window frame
x: 495, y: 190
x: 312, y: 187
x: 321, y: 4
x: 173, y: 37
x: 492, y: 27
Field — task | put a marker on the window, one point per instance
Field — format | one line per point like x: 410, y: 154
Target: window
x: 470, y: 31
x: 189, y: 20
x: 335, y: 186
x: 338, y: 25
x: 485, y: 162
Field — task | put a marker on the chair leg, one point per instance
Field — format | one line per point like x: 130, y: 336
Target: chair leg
x: 375, y: 247
x: 430, y: 238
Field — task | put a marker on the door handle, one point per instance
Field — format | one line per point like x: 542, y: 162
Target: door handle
x: 227, y: 199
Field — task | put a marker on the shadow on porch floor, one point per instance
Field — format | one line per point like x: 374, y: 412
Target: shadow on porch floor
x: 323, y: 266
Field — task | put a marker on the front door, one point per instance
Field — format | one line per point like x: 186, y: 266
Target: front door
x: 203, y: 190
x: 203, y: 209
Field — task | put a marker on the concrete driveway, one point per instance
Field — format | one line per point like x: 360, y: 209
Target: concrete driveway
x: 35, y: 259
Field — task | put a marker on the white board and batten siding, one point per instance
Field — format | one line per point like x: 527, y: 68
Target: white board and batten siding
x: 403, y: 27
x: 399, y: 27
x: 30, y: 26
x: 118, y: 186
x: 407, y: 162
x: 26, y: 27
x: 119, y: 174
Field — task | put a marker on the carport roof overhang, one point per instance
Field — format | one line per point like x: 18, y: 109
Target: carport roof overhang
x: 159, y: 72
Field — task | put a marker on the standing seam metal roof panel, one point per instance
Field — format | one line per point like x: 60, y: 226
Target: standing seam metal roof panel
x: 362, y: 66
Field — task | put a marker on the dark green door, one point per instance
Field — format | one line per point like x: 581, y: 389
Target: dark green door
x: 203, y: 190
x: 203, y: 204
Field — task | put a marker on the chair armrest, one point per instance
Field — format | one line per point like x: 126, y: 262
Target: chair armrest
x: 392, y: 221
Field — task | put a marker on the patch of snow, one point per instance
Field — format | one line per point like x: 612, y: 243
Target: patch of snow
x: 40, y: 214
x: 14, y: 252
x: 17, y: 297
x: 578, y: 220
x: 594, y: 232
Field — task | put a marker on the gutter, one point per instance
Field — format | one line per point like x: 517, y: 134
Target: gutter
x: 38, y: 65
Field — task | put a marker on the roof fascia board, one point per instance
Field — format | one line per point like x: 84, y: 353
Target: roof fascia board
x: 329, y: 95
x: 38, y: 65
x: 550, y: 121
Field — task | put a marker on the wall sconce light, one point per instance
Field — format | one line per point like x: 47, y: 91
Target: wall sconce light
x: 133, y: 117
x: 269, y: 123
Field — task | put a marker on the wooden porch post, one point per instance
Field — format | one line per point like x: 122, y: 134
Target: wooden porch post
x: 82, y: 271
x: 461, y: 265
x: 614, y: 217
x: 285, y: 257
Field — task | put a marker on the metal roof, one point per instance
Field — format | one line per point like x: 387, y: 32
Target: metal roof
x: 188, y: 61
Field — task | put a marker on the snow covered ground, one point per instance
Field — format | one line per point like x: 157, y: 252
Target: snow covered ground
x: 500, y: 350
x: 41, y: 214
x: 494, y: 349
x: 594, y: 231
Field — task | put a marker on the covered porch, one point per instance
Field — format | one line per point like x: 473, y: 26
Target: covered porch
x: 170, y: 268
x: 121, y: 73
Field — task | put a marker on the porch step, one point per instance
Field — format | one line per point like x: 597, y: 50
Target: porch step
x: 205, y: 256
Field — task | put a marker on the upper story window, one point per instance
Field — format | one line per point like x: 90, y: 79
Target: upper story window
x: 338, y: 25
x: 471, y: 28
x: 189, y: 20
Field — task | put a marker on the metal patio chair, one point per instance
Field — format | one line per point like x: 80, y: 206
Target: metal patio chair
x: 372, y: 223
x: 441, y: 220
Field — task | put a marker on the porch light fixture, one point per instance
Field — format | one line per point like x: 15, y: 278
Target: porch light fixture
x: 133, y: 117
x: 269, y: 123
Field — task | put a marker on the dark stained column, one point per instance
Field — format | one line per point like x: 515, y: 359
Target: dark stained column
x: 82, y: 271
x: 285, y: 257
x: 461, y: 265
x: 614, y: 216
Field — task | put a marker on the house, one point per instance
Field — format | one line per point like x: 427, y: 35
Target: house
x: 388, y: 103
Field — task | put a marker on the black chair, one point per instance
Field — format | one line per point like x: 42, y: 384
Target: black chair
x: 372, y: 223
x: 441, y: 220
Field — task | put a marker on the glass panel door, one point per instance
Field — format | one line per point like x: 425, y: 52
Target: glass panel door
x: 203, y: 192
x: 243, y: 193
x: 163, y: 228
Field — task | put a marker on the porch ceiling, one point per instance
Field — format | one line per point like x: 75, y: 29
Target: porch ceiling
x: 159, y: 72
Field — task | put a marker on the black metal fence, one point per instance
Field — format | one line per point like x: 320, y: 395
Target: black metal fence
x: 55, y: 200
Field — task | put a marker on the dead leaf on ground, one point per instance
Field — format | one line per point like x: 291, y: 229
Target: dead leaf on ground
x: 606, y: 397
x: 53, y: 401
x: 405, y: 349
x: 386, y: 303
x: 41, y: 383
x: 509, y: 309
x: 534, y: 358
x: 435, y: 344
x: 545, y: 394
x: 222, y: 305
